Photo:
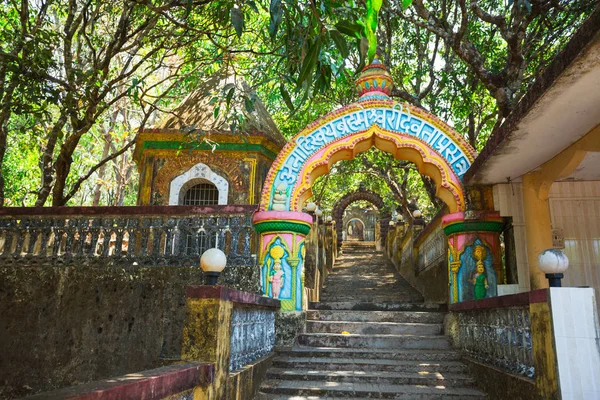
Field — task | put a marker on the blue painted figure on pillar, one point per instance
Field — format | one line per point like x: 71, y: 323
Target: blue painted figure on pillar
x: 276, y: 272
x: 476, y: 276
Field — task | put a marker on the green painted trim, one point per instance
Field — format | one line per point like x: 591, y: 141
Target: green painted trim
x: 280, y: 226
x: 474, y: 226
x: 177, y: 145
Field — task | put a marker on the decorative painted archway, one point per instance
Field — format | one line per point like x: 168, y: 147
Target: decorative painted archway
x: 375, y: 120
x: 349, y: 198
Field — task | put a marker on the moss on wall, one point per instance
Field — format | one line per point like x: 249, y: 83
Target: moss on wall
x: 67, y: 325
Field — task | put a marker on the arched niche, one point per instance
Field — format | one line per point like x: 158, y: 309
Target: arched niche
x: 197, y: 174
x: 356, y: 222
x: 406, y: 132
x: 352, y: 197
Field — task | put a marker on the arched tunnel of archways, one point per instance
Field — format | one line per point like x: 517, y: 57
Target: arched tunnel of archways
x: 405, y: 132
x: 348, y: 199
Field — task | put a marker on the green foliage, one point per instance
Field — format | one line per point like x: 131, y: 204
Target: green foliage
x: 301, y: 57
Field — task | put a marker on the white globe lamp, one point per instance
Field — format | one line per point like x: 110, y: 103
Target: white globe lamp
x: 553, y: 263
x: 311, y: 207
x: 318, y: 212
x: 213, y: 262
x: 329, y: 219
x: 417, y: 214
x: 392, y: 223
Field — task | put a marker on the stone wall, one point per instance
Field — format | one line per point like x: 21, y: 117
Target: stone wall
x: 67, y: 325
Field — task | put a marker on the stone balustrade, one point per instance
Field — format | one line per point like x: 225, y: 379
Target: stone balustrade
x: 495, y: 331
x: 432, y: 250
x: 252, y: 335
x: 121, y: 236
x: 420, y: 255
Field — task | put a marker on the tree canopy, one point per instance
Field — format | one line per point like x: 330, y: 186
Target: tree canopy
x: 80, y: 78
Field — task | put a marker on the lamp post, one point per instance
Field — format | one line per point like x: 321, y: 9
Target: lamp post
x: 418, y: 221
x: 213, y: 262
x: 553, y: 263
x: 311, y: 207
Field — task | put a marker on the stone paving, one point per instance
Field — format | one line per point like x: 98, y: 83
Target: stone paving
x: 371, y: 336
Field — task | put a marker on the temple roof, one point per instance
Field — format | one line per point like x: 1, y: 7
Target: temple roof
x: 197, y: 112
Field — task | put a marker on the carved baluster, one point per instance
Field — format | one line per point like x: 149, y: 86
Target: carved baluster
x: 70, y: 229
x: 222, y: 227
x: 157, y: 230
x: 119, y: 225
x: 107, y: 224
x: 58, y: 236
x: 173, y: 238
x: 35, y: 236
x: 5, y: 225
x: 82, y: 224
x: 33, y: 232
x: 247, y: 251
x: 235, y: 228
x: 20, y: 236
x: 133, y: 226
x: 95, y: 230
x: 145, y: 235
x: 195, y: 224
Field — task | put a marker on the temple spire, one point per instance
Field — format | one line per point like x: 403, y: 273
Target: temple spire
x: 374, y: 81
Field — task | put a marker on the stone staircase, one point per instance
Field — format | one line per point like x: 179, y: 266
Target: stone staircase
x: 371, y: 336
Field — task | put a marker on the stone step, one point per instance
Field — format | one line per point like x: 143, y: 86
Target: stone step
x: 368, y: 390
x: 357, y: 243
x: 376, y: 306
x: 367, y: 353
x: 364, y: 296
x: 423, y: 317
x: 376, y: 341
x: 271, y: 396
x: 373, y: 328
x: 379, y: 377
x: 342, y: 289
x: 368, y: 364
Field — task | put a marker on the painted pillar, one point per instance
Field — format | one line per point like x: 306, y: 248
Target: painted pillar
x: 538, y: 226
x: 474, y: 254
x: 281, y: 257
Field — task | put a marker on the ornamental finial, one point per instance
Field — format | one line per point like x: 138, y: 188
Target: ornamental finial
x: 374, y: 81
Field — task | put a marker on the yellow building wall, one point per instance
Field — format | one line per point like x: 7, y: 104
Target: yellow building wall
x: 575, y: 208
x: 508, y: 200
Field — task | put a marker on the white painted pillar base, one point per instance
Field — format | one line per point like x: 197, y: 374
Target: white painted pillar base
x: 577, y: 341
